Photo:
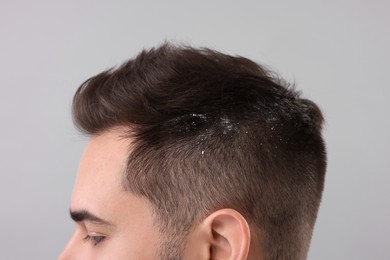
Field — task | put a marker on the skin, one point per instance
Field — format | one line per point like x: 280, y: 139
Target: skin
x: 97, y: 190
x: 112, y: 223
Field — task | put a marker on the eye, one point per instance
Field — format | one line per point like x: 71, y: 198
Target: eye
x: 95, y: 239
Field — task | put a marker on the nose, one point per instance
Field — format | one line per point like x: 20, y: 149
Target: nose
x: 66, y: 253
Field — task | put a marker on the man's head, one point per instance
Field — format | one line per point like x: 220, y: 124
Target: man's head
x: 197, y: 154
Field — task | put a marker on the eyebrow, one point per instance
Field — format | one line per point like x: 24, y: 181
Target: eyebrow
x: 85, y: 215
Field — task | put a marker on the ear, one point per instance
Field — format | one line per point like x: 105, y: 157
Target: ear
x: 230, y: 235
x: 224, y: 234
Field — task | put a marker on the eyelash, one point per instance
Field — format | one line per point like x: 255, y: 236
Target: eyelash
x: 95, y: 240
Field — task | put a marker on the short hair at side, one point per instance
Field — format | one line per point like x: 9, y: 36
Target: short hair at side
x: 213, y: 131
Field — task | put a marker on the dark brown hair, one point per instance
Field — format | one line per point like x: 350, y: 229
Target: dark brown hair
x: 213, y: 131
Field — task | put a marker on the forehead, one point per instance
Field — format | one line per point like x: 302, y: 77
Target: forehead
x: 100, y: 171
x: 98, y: 190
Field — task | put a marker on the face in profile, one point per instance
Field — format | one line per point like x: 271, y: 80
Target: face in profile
x: 110, y: 222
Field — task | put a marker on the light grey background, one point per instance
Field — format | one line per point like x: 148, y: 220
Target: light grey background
x: 336, y: 52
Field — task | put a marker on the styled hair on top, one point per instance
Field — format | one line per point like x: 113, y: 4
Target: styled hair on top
x: 213, y: 131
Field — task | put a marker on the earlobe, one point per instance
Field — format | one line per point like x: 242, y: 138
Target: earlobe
x: 230, y: 235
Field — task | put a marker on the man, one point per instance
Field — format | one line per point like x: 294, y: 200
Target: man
x: 195, y: 154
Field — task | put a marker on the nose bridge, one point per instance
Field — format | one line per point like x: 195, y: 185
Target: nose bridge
x: 68, y: 251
